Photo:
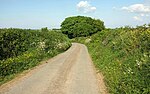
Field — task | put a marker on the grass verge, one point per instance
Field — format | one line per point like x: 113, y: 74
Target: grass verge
x: 123, y: 57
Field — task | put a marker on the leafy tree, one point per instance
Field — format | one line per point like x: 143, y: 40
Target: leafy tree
x: 79, y: 26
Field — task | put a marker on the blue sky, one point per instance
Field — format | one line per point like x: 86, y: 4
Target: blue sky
x: 36, y: 14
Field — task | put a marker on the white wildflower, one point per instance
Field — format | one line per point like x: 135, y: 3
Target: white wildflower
x: 130, y: 71
x: 42, y: 45
x: 87, y: 40
x: 139, y: 63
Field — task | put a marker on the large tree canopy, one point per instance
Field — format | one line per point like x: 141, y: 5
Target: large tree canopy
x: 79, y: 26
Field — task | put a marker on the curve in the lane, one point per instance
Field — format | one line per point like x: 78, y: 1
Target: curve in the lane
x: 68, y: 73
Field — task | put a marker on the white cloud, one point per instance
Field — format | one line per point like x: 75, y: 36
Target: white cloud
x: 142, y: 11
x: 136, y: 18
x: 137, y: 8
x: 85, y: 7
x: 142, y: 15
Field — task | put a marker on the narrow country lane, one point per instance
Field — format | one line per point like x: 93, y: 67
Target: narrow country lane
x: 71, y: 72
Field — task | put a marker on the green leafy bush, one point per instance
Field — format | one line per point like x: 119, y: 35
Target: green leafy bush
x: 16, y: 41
x: 23, y: 49
x: 80, y: 26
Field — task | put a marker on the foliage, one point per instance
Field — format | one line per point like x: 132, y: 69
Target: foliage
x: 23, y: 49
x: 123, y: 56
x: 44, y: 29
x: 16, y: 41
x: 80, y: 26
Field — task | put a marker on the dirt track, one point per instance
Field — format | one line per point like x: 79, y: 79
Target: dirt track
x: 71, y: 72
